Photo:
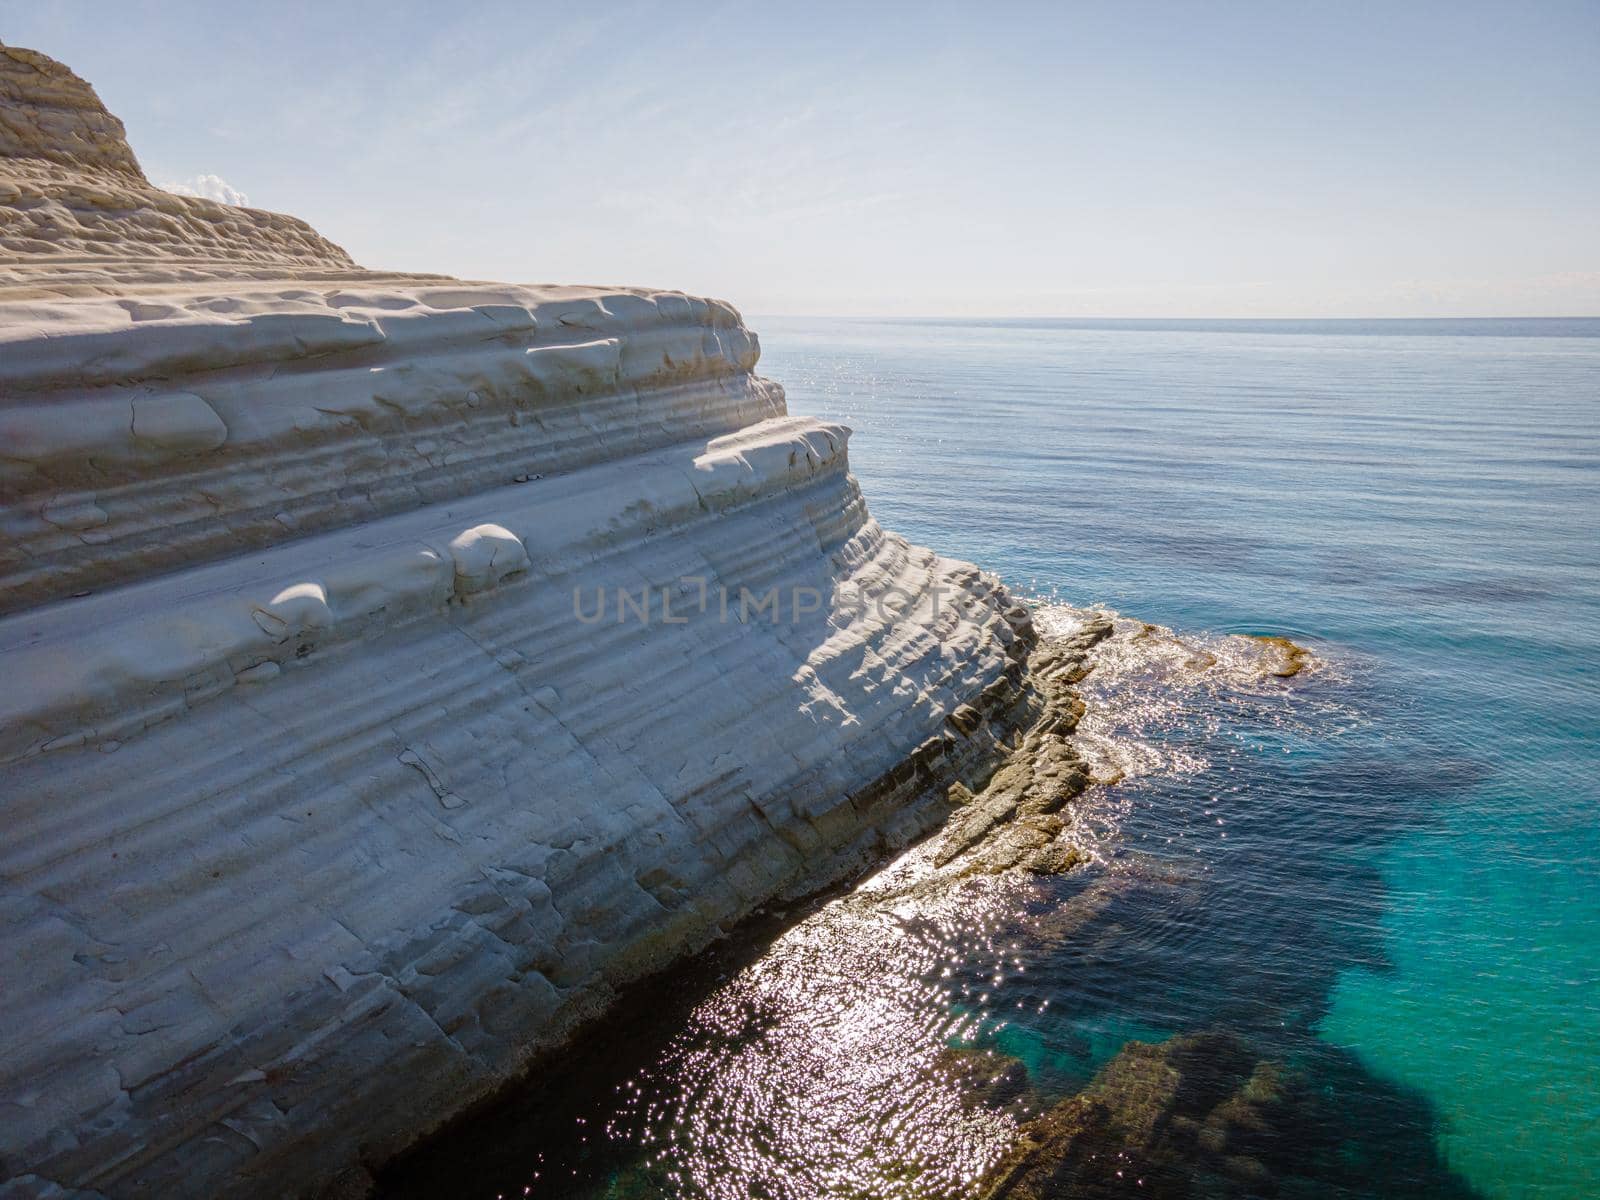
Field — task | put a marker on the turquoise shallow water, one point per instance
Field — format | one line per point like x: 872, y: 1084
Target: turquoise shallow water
x: 1395, y: 882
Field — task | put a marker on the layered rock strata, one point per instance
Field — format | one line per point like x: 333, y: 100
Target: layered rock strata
x: 80, y: 212
x: 395, y: 668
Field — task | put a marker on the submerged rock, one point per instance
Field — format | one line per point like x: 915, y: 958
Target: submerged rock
x: 988, y: 1079
x: 1197, y: 1116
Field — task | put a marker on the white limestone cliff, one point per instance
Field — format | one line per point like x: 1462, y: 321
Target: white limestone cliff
x: 326, y: 810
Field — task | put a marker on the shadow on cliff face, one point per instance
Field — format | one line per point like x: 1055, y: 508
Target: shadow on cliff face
x: 1143, y: 1025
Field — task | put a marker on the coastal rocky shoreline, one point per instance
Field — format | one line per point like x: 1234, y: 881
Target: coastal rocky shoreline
x: 331, y: 810
x: 1202, y: 1114
x: 328, y: 808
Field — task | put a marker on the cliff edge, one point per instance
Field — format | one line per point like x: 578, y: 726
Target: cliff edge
x: 397, y: 667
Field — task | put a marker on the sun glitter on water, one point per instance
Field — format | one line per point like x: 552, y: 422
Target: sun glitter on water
x: 869, y: 1050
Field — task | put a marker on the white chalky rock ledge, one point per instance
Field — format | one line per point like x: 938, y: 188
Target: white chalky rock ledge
x: 325, y: 812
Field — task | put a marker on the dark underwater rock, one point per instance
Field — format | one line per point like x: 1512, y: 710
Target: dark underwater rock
x: 1197, y: 1116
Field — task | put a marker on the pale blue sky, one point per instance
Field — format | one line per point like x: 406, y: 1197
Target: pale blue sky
x: 1108, y: 159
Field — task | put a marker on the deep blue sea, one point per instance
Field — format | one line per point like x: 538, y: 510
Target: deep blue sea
x: 1386, y: 873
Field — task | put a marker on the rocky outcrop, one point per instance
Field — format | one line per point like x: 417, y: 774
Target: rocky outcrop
x: 51, y: 115
x: 74, y: 196
x: 1197, y: 1116
x: 397, y: 667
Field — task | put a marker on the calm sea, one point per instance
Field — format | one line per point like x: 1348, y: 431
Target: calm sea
x: 1386, y: 875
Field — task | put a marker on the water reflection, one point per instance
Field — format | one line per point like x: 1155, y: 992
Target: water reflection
x: 902, y: 1039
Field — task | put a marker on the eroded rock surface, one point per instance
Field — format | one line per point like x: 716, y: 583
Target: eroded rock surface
x: 1016, y: 819
x: 74, y: 194
x: 329, y: 798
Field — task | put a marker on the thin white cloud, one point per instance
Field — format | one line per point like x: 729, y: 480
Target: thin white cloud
x: 209, y: 187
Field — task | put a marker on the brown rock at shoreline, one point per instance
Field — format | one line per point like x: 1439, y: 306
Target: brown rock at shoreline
x: 1292, y: 658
